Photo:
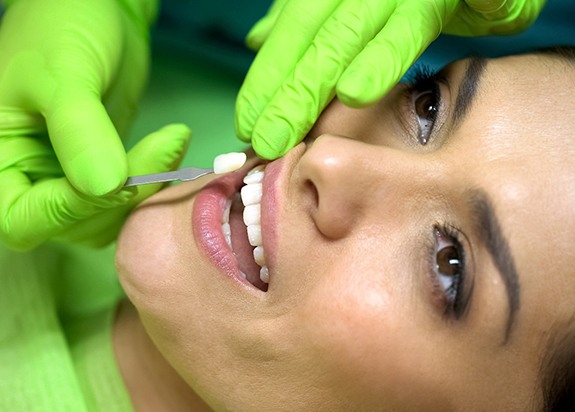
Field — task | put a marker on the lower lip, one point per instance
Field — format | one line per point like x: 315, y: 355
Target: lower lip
x: 207, y: 214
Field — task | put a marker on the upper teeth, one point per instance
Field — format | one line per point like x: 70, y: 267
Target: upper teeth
x: 251, y: 195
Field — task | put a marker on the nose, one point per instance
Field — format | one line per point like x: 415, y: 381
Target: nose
x: 350, y: 181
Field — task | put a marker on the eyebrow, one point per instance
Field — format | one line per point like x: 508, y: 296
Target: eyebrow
x: 491, y: 235
x: 468, y: 89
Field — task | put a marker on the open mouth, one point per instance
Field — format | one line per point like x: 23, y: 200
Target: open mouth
x: 241, y: 226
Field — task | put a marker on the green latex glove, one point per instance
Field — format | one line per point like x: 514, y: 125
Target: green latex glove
x: 72, y: 70
x: 76, y: 68
x: 357, y: 49
x: 38, y: 203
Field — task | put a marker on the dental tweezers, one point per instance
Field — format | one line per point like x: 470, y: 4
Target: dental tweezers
x: 183, y: 175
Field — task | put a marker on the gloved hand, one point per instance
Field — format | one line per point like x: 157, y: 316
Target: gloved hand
x: 76, y: 68
x: 359, y: 49
x: 72, y: 70
x: 38, y: 203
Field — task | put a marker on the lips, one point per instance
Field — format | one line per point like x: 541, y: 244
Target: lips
x: 208, y: 215
x: 234, y: 255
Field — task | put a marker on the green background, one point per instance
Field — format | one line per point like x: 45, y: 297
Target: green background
x: 199, y: 94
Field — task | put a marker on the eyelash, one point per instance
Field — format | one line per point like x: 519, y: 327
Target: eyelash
x: 424, y: 82
x: 453, y: 298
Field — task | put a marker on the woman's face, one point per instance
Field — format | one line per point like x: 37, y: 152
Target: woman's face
x: 420, y: 253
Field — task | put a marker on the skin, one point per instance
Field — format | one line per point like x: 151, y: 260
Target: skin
x: 358, y: 324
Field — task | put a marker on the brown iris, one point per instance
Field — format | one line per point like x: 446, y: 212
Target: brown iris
x: 448, y: 262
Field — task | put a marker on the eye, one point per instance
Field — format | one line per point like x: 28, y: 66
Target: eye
x: 448, y: 261
x: 425, y: 100
x: 426, y: 107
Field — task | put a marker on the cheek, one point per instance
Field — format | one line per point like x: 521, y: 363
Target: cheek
x: 152, y: 271
x: 147, y: 256
x: 353, y: 327
x: 365, y: 329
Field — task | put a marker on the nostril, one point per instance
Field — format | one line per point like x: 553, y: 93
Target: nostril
x: 330, y: 185
x: 314, y: 194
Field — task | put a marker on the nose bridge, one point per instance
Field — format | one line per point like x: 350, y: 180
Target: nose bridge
x: 351, y: 178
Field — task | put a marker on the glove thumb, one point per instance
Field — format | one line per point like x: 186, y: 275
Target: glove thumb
x: 160, y: 151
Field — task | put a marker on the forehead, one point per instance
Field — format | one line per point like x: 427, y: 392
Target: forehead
x: 521, y: 130
x: 521, y: 127
x: 524, y: 118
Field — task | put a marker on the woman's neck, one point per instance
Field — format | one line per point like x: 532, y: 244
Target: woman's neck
x: 152, y: 383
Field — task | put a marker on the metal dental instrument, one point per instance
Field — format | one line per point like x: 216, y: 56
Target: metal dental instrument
x: 184, y: 175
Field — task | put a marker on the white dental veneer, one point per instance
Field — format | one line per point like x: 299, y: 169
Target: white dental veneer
x: 229, y: 162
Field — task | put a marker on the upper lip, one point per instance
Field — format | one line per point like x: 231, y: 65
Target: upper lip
x: 275, y: 184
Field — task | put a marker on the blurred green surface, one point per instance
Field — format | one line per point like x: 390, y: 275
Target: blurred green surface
x: 196, y: 92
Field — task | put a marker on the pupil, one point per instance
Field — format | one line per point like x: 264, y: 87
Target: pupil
x: 425, y: 105
x: 448, y: 261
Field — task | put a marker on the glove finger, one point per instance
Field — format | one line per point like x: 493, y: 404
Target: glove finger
x: 122, y: 98
x: 30, y: 156
x: 158, y: 152
x: 31, y: 213
x: 311, y: 86
x: 495, y: 17
x: 291, y: 36
x: 86, y: 143
x: 488, y: 6
x: 383, y: 62
x: 263, y: 27
x: 17, y: 122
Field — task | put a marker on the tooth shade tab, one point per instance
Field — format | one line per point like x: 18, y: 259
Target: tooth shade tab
x: 229, y: 162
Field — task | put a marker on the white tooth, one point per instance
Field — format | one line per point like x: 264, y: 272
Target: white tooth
x: 229, y: 162
x: 252, y: 215
x: 255, y: 235
x: 227, y: 230
x: 259, y: 255
x: 256, y: 169
x: 256, y: 175
x: 265, y: 274
x: 251, y: 194
x: 226, y: 217
x: 243, y: 275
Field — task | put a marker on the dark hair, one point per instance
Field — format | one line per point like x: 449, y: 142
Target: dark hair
x: 562, y: 52
x: 557, y: 369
